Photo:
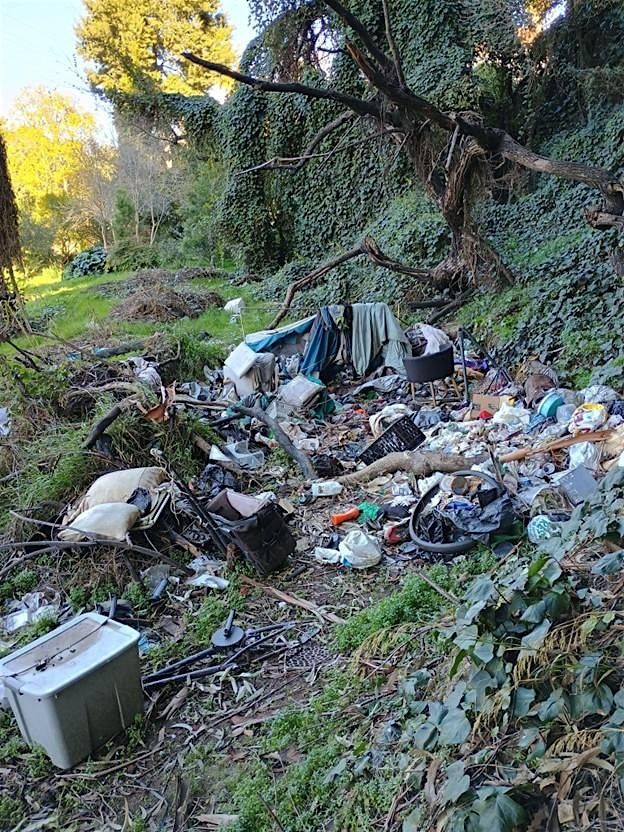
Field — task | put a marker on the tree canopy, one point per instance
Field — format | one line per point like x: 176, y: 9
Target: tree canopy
x: 137, y: 47
x: 48, y: 139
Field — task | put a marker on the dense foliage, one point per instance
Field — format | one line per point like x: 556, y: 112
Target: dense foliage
x: 138, y: 46
x: 90, y: 261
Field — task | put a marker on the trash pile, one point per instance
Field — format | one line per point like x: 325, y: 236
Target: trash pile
x: 341, y: 441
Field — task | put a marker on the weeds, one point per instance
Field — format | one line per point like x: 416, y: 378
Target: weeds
x: 416, y: 601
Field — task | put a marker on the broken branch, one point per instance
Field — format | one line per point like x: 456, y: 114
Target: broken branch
x: 293, y: 600
x: 367, y: 247
x: 281, y: 438
x: 419, y: 463
x: 106, y: 421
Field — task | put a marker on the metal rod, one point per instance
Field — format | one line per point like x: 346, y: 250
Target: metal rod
x: 463, y: 360
x: 149, y: 682
x: 227, y: 629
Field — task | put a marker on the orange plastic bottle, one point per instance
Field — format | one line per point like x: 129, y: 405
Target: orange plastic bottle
x: 351, y: 513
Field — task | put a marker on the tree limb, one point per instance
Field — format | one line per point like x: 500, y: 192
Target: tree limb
x: 601, y: 219
x: 281, y: 437
x: 100, y: 426
x: 420, y: 463
x: 367, y: 246
x: 52, y: 545
x: 358, y: 105
x: 498, y: 141
x: 392, y: 44
x: 358, y: 27
x: 297, y: 162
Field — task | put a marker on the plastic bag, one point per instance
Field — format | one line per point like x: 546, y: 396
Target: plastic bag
x: 359, y: 550
x: 236, y: 306
x: 5, y: 422
x: 110, y: 520
x: 585, y: 453
x: 588, y: 417
x: 436, y: 339
x: 512, y: 415
x: 386, y: 417
x: 599, y: 394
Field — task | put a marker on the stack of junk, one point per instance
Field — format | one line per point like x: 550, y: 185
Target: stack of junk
x: 412, y: 445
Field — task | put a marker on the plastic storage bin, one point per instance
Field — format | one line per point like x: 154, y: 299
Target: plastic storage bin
x: 75, y: 688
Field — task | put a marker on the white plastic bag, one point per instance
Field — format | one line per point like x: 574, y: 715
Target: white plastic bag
x: 236, y: 306
x: 5, y: 422
x: 436, y: 339
x: 585, y: 453
x: 359, y: 550
x: 599, y: 393
x: 390, y: 414
x: 512, y: 415
x: 110, y: 520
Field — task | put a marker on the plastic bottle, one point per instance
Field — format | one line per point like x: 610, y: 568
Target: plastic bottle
x: 351, y: 513
x: 326, y: 488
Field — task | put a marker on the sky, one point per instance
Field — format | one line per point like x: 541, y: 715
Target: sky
x: 37, y: 48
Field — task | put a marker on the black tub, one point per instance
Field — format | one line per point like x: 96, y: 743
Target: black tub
x: 434, y: 367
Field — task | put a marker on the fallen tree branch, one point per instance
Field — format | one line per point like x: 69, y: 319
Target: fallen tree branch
x: 293, y: 600
x: 368, y: 247
x: 110, y: 386
x: 106, y: 421
x: 419, y: 463
x: 281, y: 437
x: 601, y: 219
x: 557, y: 445
x: 58, y: 545
x: 453, y: 599
x: 450, y: 307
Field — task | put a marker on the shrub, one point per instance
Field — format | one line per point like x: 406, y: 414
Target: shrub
x: 128, y: 255
x: 90, y: 261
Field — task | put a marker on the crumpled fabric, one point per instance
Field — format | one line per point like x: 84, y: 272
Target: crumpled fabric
x: 375, y: 330
x: 496, y: 516
x: 323, y: 345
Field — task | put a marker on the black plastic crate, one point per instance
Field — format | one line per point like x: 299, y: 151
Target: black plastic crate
x: 403, y: 435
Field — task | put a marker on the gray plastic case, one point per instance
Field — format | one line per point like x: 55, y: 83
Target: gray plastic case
x: 75, y: 688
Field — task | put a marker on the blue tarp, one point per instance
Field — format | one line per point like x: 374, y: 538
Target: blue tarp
x: 272, y: 339
x: 323, y: 345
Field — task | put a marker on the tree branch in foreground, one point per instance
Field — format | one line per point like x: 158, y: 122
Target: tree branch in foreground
x: 367, y: 247
x: 358, y: 105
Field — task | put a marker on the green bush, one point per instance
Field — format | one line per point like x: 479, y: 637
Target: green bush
x: 128, y: 255
x: 90, y: 261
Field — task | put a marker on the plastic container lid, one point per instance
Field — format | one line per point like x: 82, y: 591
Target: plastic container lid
x: 59, y: 659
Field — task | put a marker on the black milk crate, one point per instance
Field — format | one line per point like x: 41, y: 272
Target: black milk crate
x: 401, y: 436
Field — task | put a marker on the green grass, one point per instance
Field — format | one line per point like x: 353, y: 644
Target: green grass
x: 416, y: 601
x: 79, y: 310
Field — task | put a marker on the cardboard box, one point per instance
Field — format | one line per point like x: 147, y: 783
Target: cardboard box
x: 482, y: 401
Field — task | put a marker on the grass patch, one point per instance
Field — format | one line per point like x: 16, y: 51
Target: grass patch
x: 328, y: 738
x: 74, y: 310
x: 416, y: 601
